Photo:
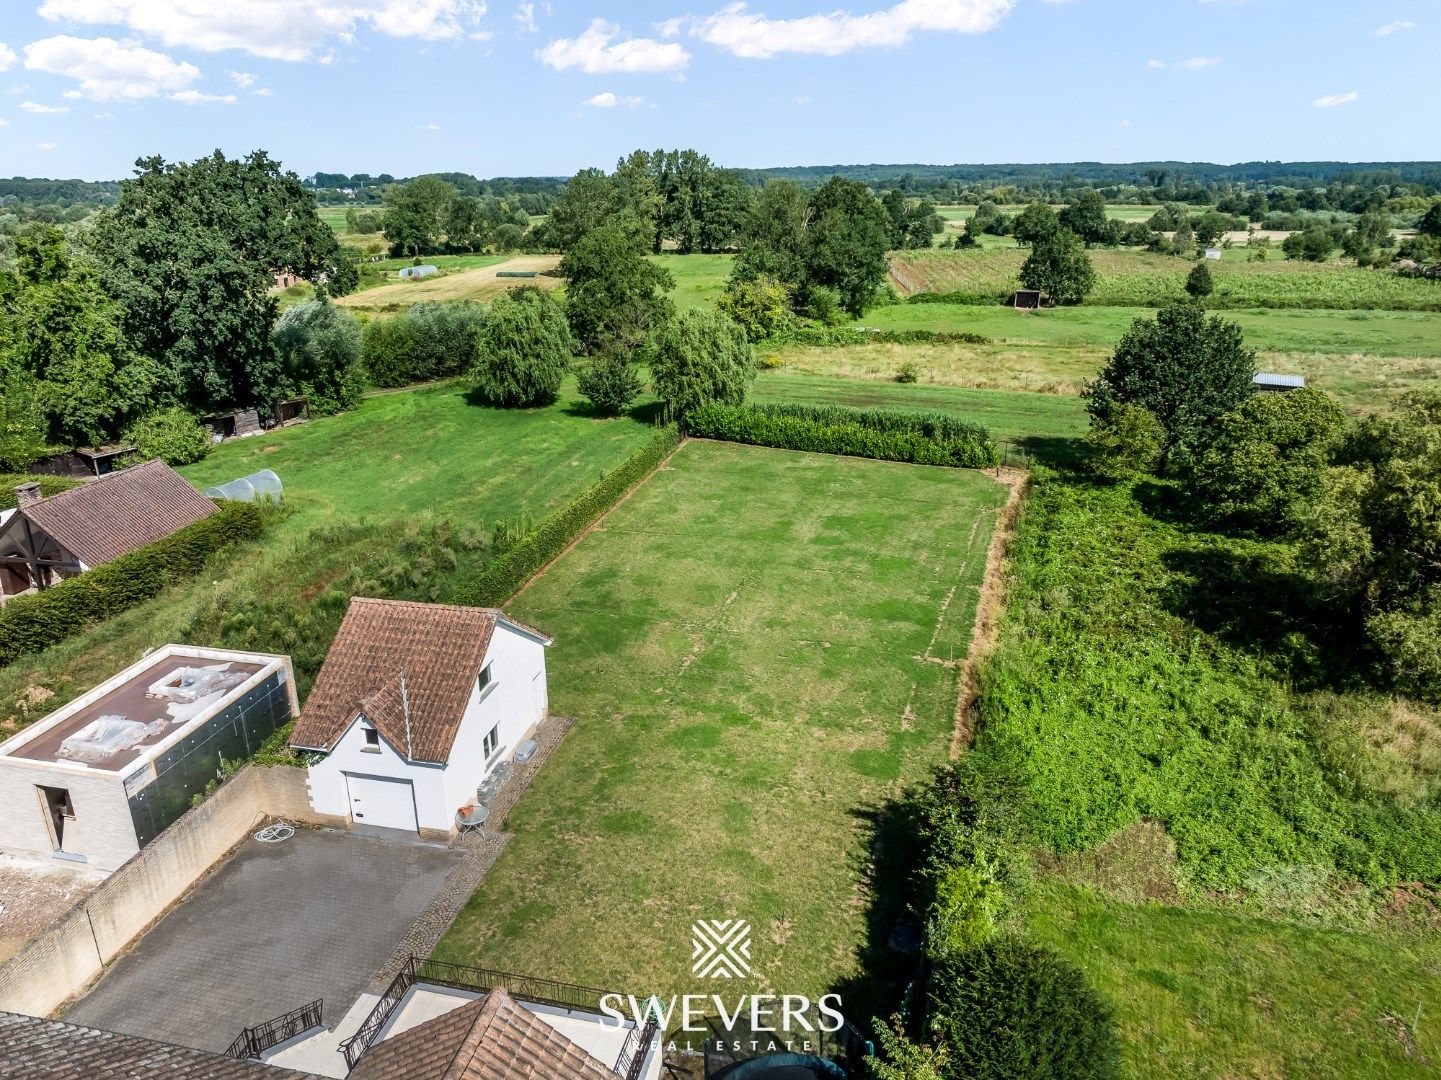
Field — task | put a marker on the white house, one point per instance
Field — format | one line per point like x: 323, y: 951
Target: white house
x: 99, y: 778
x: 414, y: 706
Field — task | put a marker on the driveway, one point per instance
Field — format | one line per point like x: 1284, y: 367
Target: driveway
x: 277, y: 926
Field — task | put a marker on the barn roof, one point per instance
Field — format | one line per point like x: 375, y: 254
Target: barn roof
x: 1287, y: 382
x: 407, y: 667
x: 119, y: 512
x: 491, y: 1038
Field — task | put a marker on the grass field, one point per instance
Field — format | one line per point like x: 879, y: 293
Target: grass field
x: 398, y: 498
x: 1145, y: 279
x: 1219, y: 994
x: 699, y: 279
x: 478, y: 282
x: 753, y: 648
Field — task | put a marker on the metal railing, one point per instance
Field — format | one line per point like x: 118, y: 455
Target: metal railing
x: 632, y: 1057
x: 483, y: 980
x: 254, y: 1041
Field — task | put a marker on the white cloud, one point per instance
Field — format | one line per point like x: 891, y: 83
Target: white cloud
x: 1125, y: 123
x: 264, y: 91
x: 4, y: 122
x: 105, y: 116
x: 1330, y: 101
x: 601, y: 49
x: 432, y: 127
x: 197, y: 97
x: 109, y: 70
x: 1400, y: 26
x: 757, y: 36
x: 46, y: 146
x: 525, y: 16
x: 1194, y: 63
x: 44, y: 110
x: 242, y: 79
x: 276, y: 29
x: 7, y: 56
x: 608, y: 100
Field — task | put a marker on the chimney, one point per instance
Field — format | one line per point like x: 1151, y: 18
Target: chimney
x: 27, y: 495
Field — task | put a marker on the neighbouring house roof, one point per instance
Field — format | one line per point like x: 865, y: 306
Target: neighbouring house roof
x: 491, y: 1038
x: 409, y: 668
x: 119, y: 512
x: 32, y: 1047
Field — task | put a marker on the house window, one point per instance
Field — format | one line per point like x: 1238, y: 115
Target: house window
x: 484, y: 679
x: 372, y: 737
x: 58, y: 810
x: 492, y: 740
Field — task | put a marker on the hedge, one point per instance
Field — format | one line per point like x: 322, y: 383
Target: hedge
x: 49, y: 485
x: 920, y: 438
x: 965, y: 299
x: 501, y: 579
x: 833, y: 336
x: 36, y: 621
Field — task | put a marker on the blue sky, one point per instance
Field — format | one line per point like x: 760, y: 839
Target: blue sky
x: 507, y: 88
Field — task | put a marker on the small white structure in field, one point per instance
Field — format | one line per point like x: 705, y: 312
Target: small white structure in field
x: 416, y: 705
x: 101, y: 777
x: 413, y: 273
x: 1266, y: 382
x: 1214, y: 254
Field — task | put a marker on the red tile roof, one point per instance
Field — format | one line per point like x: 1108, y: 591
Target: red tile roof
x: 408, y: 667
x: 491, y: 1038
x: 32, y: 1048
x: 120, y: 512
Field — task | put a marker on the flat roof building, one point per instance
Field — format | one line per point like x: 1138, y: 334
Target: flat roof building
x: 99, y: 778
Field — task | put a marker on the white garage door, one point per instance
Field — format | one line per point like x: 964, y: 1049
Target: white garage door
x: 376, y: 800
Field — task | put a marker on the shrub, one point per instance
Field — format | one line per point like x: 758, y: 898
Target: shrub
x: 172, y: 435
x: 908, y: 373
x: 1013, y: 1009
x: 319, y: 349
x: 1266, y: 464
x: 499, y: 581
x: 1125, y: 441
x: 388, y: 348
x: 902, y: 1059
x: 36, y: 621
x: 609, y: 381
x: 428, y: 342
x: 525, y: 347
x: 701, y: 357
x: 841, y: 336
x: 1199, y: 282
x: 921, y: 438
x: 963, y: 913
x: 760, y: 306
x: 824, y: 305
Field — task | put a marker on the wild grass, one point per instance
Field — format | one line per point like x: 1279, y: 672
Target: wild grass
x: 475, y: 283
x: 754, y: 647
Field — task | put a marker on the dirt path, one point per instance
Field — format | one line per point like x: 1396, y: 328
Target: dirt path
x: 988, y: 610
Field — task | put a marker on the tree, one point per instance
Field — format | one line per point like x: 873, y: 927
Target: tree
x: 1125, y: 441
x: 172, y: 435
x: 1086, y: 217
x: 1430, y: 223
x: 914, y: 222
x: 1187, y: 370
x: 1210, y: 227
x: 1013, y: 1009
x: 1313, y: 245
x: 416, y: 215
x: 1265, y: 466
x: 62, y: 340
x: 465, y: 225
x: 1033, y: 223
x: 1370, y: 241
x: 1059, y: 267
x: 525, y: 346
x: 22, y: 422
x: 593, y: 200
x: 700, y: 357
x: 191, y: 250
x: 609, y: 381
x: 615, y: 295
x: 846, y: 242
x: 319, y: 349
x: 1199, y: 283
x: 772, y: 235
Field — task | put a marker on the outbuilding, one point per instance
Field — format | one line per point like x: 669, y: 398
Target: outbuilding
x: 101, y: 777
x: 415, y: 706
x: 1266, y: 382
x: 49, y: 539
x: 424, y: 270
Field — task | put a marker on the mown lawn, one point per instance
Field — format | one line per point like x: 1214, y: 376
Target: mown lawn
x: 755, y: 647
x: 1212, y: 993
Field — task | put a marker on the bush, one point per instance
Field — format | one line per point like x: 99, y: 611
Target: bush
x: 428, y: 342
x: 1266, y: 464
x: 1199, y: 283
x: 824, y: 306
x: 1125, y: 442
x: 319, y: 349
x: 841, y: 336
x: 36, y: 621
x: 1013, y: 1009
x: 609, y: 381
x: 701, y: 357
x: 525, y: 346
x: 504, y: 577
x: 908, y: 373
x: 760, y: 306
x: 172, y: 435
x: 963, y: 913
x: 921, y: 438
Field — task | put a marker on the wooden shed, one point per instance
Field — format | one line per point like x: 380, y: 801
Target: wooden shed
x: 1027, y: 299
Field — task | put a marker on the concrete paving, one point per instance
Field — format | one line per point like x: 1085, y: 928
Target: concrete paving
x: 275, y: 927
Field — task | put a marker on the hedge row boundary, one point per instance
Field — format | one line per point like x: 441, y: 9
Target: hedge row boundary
x: 505, y: 576
x: 884, y: 434
x: 33, y: 622
x: 49, y: 485
x: 845, y: 336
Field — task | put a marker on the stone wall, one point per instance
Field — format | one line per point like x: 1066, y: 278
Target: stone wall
x: 63, y: 959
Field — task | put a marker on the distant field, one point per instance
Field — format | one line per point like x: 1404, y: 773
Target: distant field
x: 1144, y: 279
x: 477, y: 283
x: 699, y: 279
x: 749, y: 648
x: 1376, y: 333
x: 334, y: 216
